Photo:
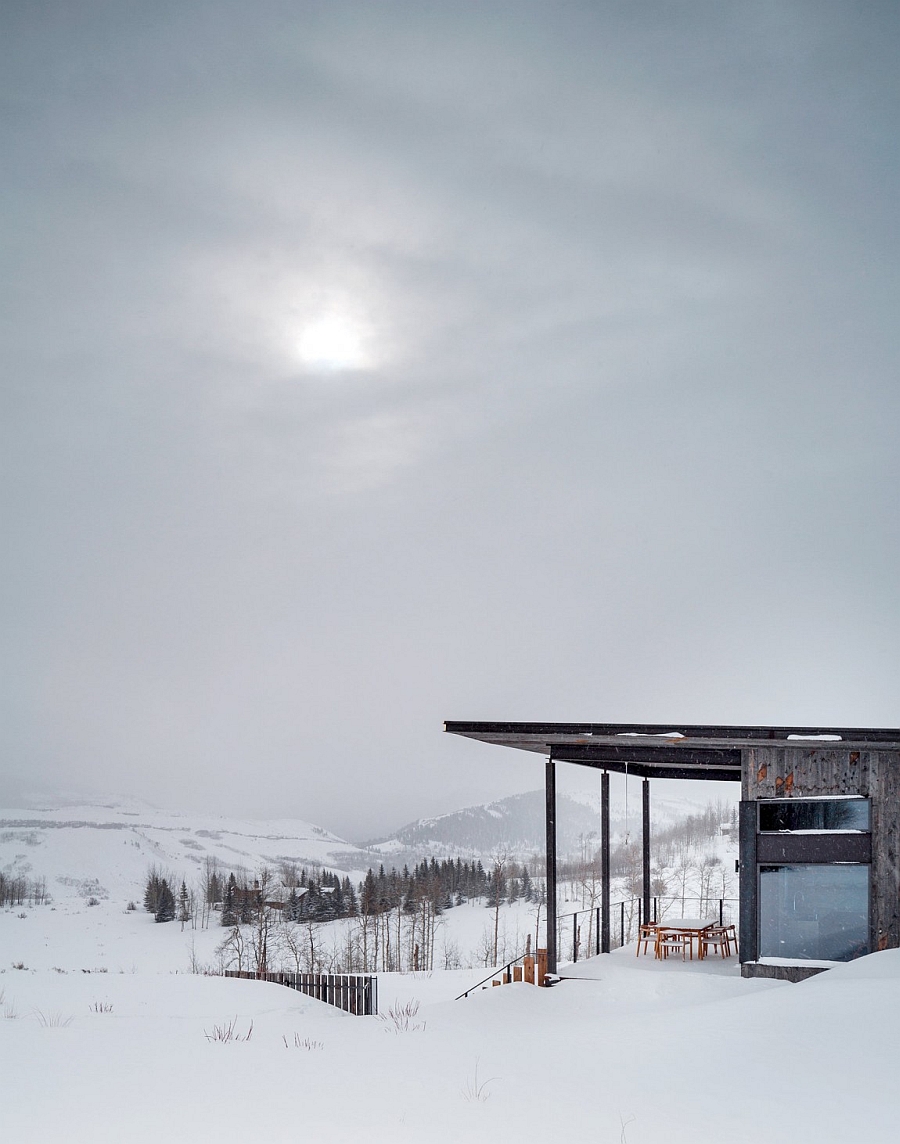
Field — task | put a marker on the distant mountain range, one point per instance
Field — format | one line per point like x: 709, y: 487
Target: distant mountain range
x: 515, y: 825
x: 104, y: 850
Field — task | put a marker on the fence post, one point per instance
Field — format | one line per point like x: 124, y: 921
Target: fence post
x: 622, y: 920
x: 597, y: 920
x: 574, y: 937
x: 721, y: 911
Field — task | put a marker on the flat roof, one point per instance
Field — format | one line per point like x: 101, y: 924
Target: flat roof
x: 666, y: 750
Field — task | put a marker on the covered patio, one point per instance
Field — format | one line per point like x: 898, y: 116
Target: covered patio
x: 792, y: 839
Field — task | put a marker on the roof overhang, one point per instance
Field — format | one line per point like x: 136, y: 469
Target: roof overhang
x: 666, y: 750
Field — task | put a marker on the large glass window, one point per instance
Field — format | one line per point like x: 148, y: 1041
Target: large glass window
x: 815, y: 814
x: 818, y: 912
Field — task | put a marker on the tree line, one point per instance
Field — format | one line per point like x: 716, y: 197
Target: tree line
x: 18, y: 890
x: 323, y: 895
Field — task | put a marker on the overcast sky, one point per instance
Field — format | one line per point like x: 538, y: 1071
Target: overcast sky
x: 367, y: 365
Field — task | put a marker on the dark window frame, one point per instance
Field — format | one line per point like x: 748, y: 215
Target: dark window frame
x: 795, y: 803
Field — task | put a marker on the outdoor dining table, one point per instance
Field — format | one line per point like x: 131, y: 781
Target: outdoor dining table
x: 692, y: 927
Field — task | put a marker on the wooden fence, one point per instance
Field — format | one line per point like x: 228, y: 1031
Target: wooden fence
x: 355, y: 993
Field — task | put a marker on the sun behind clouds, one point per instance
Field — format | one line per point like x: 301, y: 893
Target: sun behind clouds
x: 334, y: 342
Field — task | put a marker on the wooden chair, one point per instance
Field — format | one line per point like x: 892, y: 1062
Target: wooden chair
x: 716, y: 937
x: 646, y: 935
x: 669, y: 942
x: 731, y: 938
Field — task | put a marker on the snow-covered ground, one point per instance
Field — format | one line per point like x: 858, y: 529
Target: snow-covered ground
x: 108, y: 938
x: 632, y: 1049
x: 106, y: 1034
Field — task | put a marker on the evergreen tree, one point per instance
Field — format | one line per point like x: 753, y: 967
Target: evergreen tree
x: 151, y: 892
x: 312, y: 903
x: 245, y: 901
x: 368, y: 892
x: 165, y: 903
x: 292, y: 906
x: 184, y: 905
x: 350, y: 907
x: 229, y: 906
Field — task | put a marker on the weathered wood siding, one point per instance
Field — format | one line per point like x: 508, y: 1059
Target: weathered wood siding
x: 807, y: 772
x: 804, y: 772
x: 884, y: 791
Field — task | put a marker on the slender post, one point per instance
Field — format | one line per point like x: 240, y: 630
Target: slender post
x: 748, y: 932
x: 550, y: 785
x: 645, y: 801
x: 604, y: 855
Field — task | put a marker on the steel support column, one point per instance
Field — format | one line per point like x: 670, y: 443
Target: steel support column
x: 604, y: 855
x: 550, y: 786
x: 645, y: 847
x: 748, y: 934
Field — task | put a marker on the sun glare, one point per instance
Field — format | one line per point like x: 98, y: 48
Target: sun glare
x: 333, y: 342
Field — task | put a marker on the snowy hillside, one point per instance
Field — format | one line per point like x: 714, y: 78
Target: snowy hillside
x: 105, y: 851
x: 516, y: 825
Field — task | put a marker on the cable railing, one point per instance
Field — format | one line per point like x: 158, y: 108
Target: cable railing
x: 579, y: 934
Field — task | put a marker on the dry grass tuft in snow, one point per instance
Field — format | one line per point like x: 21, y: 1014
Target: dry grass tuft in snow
x: 402, y: 1018
x: 9, y: 1010
x: 226, y: 1033
x: 52, y: 1020
x: 475, y: 1089
x: 623, y: 1139
x: 306, y: 1043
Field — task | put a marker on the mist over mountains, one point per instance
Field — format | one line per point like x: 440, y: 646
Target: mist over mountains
x: 104, y: 848
x: 515, y: 825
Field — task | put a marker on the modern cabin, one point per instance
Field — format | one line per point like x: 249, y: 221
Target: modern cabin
x: 819, y: 838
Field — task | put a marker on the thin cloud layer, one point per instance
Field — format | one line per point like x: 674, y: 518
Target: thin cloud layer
x: 366, y: 366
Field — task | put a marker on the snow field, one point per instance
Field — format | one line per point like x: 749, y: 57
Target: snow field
x: 671, y: 1051
x: 105, y: 1036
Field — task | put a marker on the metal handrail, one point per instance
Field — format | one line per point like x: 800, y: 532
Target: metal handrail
x: 493, y: 972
